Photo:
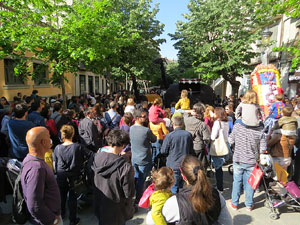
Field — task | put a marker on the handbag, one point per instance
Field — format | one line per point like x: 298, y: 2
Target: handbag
x: 144, y: 201
x: 219, y: 146
x: 255, y: 177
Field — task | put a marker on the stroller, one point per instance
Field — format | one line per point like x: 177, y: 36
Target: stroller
x: 278, y: 191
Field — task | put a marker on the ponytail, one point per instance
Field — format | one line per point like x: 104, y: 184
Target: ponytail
x: 201, y: 195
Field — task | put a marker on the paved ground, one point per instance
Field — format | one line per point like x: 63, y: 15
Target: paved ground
x: 259, y: 216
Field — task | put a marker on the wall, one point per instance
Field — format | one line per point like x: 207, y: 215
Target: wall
x: 9, y: 91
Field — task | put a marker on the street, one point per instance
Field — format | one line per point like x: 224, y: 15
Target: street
x: 259, y: 216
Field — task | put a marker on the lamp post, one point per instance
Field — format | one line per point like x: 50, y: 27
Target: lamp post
x: 266, y: 35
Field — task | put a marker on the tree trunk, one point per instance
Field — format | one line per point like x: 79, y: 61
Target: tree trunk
x: 135, y: 88
x: 63, y: 91
x: 163, y: 75
x: 108, y: 78
x: 235, y: 88
x: 234, y: 83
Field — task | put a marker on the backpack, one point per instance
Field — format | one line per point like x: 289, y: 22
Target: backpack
x: 20, y: 213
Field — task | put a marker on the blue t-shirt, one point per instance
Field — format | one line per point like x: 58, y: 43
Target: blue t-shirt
x: 17, y: 130
x: 276, y: 110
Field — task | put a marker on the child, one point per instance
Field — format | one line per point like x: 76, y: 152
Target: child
x: 209, y: 117
x: 159, y: 130
x: 249, y: 112
x: 287, y: 123
x: 163, y: 180
x: 276, y: 108
x: 154, y: 111
x: 167, y: 119
x: 275, y: 114
x: 184, y: 101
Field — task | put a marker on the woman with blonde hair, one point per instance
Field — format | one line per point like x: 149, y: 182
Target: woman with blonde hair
x: 248, y: 111
x: 197, y: 202
x: 130, y: 106
x: 209, y: 116
x: 68, y: 159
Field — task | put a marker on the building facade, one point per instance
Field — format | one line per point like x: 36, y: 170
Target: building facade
x: 285, y: 32
x: 84, y: 82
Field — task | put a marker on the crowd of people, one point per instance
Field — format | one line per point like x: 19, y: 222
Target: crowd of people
x: 120, y: 143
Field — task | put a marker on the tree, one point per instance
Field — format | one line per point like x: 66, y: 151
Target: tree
x: 100, y: 34
x: 217, y: 37
x: 290, y: 8
x: 60, y: 34
x: 136, y: 58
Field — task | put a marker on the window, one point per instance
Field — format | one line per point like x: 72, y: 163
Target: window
x: 10, y: 77
x: 103, y: 90
x: 97, y: 85
x: 40, y: 73
x: 82, y: 84
x: 91, y: 84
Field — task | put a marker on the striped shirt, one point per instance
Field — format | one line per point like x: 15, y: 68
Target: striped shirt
x: 246, y: 143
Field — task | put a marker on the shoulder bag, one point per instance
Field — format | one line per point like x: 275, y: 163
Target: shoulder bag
x: 219, y: 146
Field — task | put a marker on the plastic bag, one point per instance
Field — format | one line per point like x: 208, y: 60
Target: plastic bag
x: 144, y: 201
x: 255, y: 177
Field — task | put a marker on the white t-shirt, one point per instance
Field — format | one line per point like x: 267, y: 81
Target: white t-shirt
x: 170, y: 211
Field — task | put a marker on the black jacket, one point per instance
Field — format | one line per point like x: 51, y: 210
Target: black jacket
x: 114, y: 189
x: 89, y: 134
x: 188, y: 216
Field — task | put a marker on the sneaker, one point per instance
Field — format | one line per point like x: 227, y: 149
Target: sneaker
x: 250, y: 209
x: 232, y: 206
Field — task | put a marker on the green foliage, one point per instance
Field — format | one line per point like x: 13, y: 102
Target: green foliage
x: 175, y: 71
x: 290, y: 8
x: 216, y: 39
x: 101, y: 34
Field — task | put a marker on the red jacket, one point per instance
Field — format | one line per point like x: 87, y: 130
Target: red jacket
x: 154, y: 111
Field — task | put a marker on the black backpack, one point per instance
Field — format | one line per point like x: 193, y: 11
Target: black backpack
x: 20, y: 213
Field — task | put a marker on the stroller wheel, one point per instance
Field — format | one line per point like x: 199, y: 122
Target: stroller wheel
x: 273, y: 216
x: 230, y: 169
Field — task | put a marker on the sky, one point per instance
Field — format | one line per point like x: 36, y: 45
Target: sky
x: 170, y: 11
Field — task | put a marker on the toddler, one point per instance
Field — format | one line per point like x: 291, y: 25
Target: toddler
x: 276, y: 108
x: 287, y: 123
x: 154, y: 111
x: 248, y: 111
x: 163, y: 180
x: 184, y: 101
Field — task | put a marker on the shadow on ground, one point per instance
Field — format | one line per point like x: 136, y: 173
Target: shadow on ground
x: 242, y: 219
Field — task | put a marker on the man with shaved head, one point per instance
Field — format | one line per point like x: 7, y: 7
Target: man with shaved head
x: 39, y: 185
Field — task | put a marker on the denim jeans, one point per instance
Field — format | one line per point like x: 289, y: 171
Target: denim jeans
x: 140, y: 174
x: 241, y: 174
x: 178, y: 181
x: 156, y: 149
